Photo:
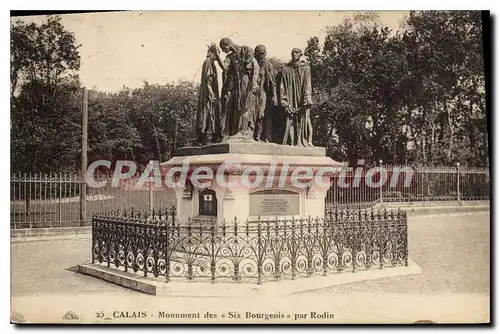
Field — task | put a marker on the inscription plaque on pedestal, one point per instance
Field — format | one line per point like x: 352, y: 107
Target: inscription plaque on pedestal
x: 274, y: 202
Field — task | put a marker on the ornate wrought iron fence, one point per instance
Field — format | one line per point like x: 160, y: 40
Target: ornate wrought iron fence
x: 256, y: 251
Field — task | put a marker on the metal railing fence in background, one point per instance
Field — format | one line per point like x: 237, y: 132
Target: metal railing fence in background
x: 54, y: 200
x: 426, y: 184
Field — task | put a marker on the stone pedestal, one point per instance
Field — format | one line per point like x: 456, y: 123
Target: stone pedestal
x: 251, y: 181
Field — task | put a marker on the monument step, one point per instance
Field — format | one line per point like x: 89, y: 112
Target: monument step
x: 251, y: 147
x: 241, y: 289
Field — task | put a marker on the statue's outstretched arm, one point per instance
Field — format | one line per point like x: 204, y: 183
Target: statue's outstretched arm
x: 224, y: 64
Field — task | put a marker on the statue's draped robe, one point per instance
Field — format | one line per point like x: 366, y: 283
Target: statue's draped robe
x: 267, y: 90
x: 295, y: 90
x: 239, y: 102
x: 208, y: 116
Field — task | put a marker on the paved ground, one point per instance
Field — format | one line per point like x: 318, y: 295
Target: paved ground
x: 453, y: 252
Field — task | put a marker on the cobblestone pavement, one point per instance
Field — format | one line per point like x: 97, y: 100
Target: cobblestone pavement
x: 452, y: 250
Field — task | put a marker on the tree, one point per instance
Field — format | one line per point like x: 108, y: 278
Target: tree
x: 142, y: 124
x: 164, y: 116
x: 451, y: 83
x: 44, y: 96
x: 350, y: 87
x: 277, y: 64
x: 45, y: 53
x: 46, y: 138
x: 21, y: 48
x: 377, y: 91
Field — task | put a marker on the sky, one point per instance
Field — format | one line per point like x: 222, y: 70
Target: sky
x: 127, y: 48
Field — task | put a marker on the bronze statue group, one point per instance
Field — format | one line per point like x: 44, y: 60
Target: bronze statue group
x: 254, y: 104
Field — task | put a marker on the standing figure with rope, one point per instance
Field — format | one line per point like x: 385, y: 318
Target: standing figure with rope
x: 240, y: 74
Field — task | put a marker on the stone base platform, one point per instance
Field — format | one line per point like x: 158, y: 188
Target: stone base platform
x: 251, y: 147
x: 259, y: 179
x: 242, y: 160
x: 196, y: 288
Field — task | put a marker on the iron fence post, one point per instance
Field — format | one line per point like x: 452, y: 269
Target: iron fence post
x: 293, y: 247
x: 34, y: 199
x: 334, y: 186
x: 46, y: 198
x: 27, y: 196
x: 83, y: 186
x: 83, y: 201
x: 145, y: 246
x: 108, y: 235
x: 405, y: 218
x: 60, y: 199
x: 151, y: 199
x: 380, y: 165
x: 212, y: 250
x: 236, y: 276
x: 259, y: 254
x: 93, y: 242
x: 352, y: 232
x: 189, y: 243
x: 458, y: 181
x: 167, y: 250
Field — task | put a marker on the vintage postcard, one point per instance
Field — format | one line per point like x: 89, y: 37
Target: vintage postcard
x: 298, y: 167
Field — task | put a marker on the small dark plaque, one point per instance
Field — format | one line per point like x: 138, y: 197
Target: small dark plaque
x: 208, y: 203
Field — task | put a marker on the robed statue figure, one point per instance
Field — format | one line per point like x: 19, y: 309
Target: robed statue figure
x: 208, y: 119
x: 266, y: 98
x: 295, y: 97
x: 240, y: 85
